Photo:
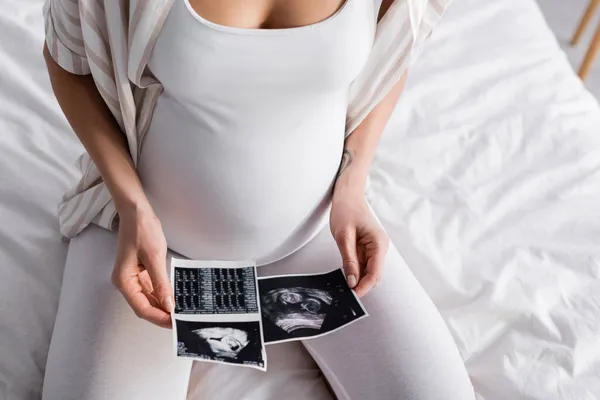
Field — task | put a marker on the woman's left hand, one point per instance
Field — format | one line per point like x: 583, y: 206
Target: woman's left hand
x: 362, y: 242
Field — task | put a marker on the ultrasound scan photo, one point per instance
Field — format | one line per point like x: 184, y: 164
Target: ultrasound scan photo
x: 225, y: 314
x: 231, y: 342
x: 298, y: 307
x: 217, y: 314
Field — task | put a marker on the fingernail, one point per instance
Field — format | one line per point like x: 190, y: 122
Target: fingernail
x: 351, y: 280
x: 169, y: 304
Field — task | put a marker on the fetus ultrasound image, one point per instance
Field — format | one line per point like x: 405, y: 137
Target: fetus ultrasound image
x: 230, y: 342
x: 295, y: 307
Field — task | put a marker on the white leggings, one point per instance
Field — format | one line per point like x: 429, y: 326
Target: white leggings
x: 101, y: 351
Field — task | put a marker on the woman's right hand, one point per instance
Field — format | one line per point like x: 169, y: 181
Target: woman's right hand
x: 140, y: 271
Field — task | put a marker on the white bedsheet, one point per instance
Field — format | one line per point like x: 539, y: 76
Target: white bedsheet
x: 487, y: 180
x: 36, y: 156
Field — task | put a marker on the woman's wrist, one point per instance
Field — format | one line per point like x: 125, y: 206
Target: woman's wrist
x: 135, y: 209
x: 132, y: 202
x: 345, y: 189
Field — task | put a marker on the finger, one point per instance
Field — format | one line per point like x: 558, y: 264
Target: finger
x: 126, y: 277
x: 153, y: 301
x: 372, y: 273
x: 347, y: 244
x: 155, y: 264
x: 146, y: 282
x: 141, y: 305
x: 152, y: 314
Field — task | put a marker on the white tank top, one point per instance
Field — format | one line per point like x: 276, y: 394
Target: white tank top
x: 246, y: 139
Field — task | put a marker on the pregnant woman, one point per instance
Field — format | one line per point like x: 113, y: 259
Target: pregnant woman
x: 232, y: 130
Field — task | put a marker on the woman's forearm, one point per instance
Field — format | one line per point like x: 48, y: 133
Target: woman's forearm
x: 360, y: 146
x: 99, y: 133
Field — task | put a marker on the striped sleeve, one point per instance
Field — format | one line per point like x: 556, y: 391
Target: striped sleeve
x: 399, y: 39
x: 64, y: 35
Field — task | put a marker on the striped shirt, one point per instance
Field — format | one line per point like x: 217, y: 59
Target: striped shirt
x: 112, y: 40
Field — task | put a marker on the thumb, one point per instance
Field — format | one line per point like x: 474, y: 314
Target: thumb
x: 156, y: 266
x: 347, y: 244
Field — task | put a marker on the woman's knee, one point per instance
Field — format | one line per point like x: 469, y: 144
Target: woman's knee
x: 402, y: 350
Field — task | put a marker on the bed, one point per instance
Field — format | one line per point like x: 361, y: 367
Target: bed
x: 487, y: 180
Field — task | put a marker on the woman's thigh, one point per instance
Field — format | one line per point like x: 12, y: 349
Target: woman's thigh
x: 100, y: 350
x: 403, y: 350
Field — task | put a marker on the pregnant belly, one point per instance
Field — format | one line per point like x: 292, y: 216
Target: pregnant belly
x: 236, y: 196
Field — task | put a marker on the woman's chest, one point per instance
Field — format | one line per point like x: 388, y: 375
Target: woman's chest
x: 266, y: 14
x: 193, y: 55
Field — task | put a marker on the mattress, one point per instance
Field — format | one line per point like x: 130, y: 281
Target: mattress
x: 487, y: 180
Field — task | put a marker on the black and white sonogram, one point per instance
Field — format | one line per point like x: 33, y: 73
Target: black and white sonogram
x: 216, y: 290
x: 224, y: 342
x: 303, y: 306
